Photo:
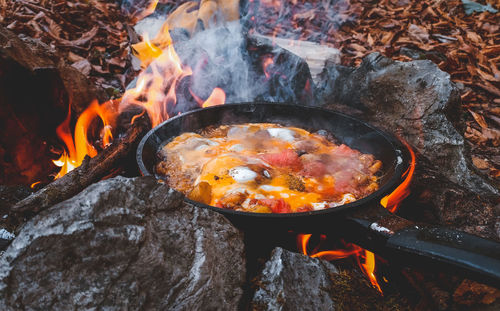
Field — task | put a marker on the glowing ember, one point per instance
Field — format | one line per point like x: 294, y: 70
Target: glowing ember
x: 147, y: 11
x: 33, y: 185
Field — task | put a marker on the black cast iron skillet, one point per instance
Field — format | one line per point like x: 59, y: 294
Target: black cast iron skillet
x: 364, y: 222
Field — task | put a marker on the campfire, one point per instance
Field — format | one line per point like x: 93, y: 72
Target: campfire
x: 427, y: 228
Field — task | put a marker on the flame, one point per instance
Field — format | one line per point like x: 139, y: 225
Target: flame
x: 393, y: 200
x: 368, y: 267
x: 364, y: 258
x: 146, y: 51
x: 218, y: 97
x: 33, y: 185
x: 81, y: 146
x: 154, y: 92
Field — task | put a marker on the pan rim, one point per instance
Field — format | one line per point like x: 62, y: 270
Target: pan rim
x: 401, y: 152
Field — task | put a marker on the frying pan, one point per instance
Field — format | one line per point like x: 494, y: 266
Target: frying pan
x: 364, y: 222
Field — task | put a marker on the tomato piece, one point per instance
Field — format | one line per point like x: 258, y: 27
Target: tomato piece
x: 344, y: 150
x: 287, y: 158
x: 276, y: 205
x: 314, y: 169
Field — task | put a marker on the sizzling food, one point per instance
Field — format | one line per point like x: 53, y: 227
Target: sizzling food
x: 267, y: 168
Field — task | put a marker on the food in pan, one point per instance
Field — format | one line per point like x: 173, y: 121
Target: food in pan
x: 267, y: 168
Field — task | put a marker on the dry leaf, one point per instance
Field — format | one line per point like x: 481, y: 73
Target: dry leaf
x: 495, y: 110
x: 418, y: 33
x: 72, y: 57
x: 470, y: 292
x: 86, y: 37
x: 117, y: 62
x: 480, y: 163
x: 492, y: 135
x: 83, y: 66
x: 370, y: 40
x: 479, y: 119
x: 54, y: 28
x: 473, y: 37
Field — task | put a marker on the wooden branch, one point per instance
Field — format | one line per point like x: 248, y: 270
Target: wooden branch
x: 92, y: 170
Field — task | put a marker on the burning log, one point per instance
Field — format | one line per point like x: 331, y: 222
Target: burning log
x: 36, y: 86
x: 92, y: 170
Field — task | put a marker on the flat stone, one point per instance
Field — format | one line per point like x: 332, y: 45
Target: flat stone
x: 124, y: 244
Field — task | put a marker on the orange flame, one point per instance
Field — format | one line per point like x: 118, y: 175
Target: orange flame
x: 33, y: 185
x: 82, y: 146
x: 393, y: 200
x: 155, y: 93
x: 218, y: 97
x: 368, y: 267
x: 365, y: 259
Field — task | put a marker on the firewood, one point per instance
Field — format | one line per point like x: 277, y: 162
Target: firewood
x: 91, y: 171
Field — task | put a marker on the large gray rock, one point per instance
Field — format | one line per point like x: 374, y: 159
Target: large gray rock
x: 292, y: 281
x: 124, y: 244
x: 414, y: 99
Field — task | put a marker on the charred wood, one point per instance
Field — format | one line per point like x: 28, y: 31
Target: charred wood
x: 36, y: 89
x: 92, y: 170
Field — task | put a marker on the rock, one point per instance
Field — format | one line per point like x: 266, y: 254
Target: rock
x: 9, y: 195
x: 415, y: 100
x: 291, y: 281
x: 418, y: 102
x: 124, y: 244
x: 436, y: 200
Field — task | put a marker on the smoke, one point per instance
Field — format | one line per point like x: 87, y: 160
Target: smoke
x: 247, y: 68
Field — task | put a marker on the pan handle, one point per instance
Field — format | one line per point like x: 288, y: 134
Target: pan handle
x: 431, y: 247
x: 448, y: 249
